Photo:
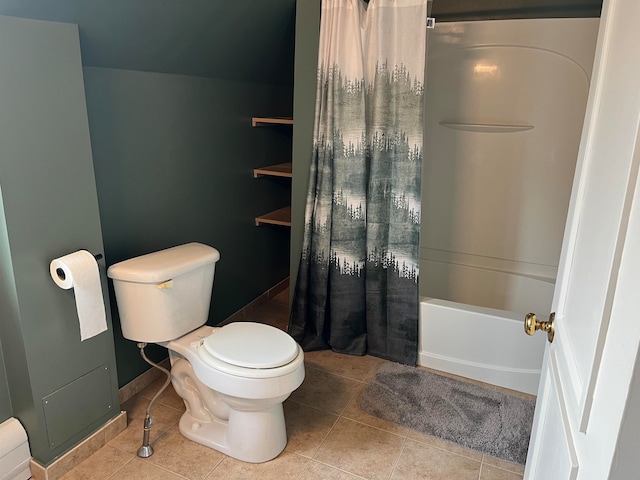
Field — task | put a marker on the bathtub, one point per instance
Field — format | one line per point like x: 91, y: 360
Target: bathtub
x: 480, y: 343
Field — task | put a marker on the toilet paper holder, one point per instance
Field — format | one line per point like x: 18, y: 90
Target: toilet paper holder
x: 63, y: 276
x: 79, y: 271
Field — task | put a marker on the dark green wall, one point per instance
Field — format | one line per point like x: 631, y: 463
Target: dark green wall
x: 174, y: 158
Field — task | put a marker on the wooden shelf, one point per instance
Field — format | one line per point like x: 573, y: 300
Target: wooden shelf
x: 280, y: 170
x: 263, y: 121
x: 282, y: 216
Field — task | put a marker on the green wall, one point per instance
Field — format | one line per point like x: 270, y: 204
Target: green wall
x: 174, y: 158
x: 61, y: 389
x: 304, y: 102
x: 5, y: 401
x: 7, y: 299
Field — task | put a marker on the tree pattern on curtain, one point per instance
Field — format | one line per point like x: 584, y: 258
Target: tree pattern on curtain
x: 357, y: 286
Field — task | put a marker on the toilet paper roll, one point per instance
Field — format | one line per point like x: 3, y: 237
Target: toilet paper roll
x: 79, y: 271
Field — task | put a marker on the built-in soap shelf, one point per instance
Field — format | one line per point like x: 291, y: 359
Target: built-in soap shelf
x: 486, y: 127
x: 282, y: 216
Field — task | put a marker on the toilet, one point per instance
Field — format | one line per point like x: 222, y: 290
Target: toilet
x: 233, y: 379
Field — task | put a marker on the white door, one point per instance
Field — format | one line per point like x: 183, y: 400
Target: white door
x: 587, y: 369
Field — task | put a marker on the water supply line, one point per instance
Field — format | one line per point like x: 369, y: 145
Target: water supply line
x: 146, y: 450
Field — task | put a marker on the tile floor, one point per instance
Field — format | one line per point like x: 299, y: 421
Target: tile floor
x: 329, y: 436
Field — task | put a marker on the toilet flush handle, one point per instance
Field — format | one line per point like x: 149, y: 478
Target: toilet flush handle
x: 167, y: 284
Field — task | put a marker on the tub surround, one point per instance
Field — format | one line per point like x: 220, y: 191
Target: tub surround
x: 505, y: 103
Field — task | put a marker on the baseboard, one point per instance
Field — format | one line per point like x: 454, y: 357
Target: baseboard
x: 80, y: 452
x: 241, y: 315
x: 142, y: 381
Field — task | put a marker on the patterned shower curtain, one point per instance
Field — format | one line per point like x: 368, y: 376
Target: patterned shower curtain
x: 357, y: 286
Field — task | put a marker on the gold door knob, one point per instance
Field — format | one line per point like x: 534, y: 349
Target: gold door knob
x: 531, y: 324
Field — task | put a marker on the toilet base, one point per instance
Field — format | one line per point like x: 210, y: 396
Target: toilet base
x: 250, y: 436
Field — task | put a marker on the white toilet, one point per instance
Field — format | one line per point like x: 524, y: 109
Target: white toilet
x: 233, y: 379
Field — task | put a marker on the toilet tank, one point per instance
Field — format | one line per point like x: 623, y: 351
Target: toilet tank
x: 163, y: 295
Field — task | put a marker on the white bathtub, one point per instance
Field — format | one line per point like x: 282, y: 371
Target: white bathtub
x: 480, y: 343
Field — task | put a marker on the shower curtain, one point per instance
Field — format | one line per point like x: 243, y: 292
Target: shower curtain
x: 357, y: 286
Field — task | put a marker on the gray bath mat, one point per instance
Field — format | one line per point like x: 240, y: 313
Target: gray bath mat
x: 471, y: 416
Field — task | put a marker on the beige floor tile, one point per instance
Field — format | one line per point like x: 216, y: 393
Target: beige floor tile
x: 287, y: 466
x: 168, y: 397
x: 100, y: 466
x: 275, y: 320
x: 269, y: 307
x: 490, y: 472
x: 496, y: 462
x: 321, y: 445
x: 138, y: 469
x: 423, y: 461
x: 274, y: 314
x: 325, y: 391
x: 320, y: 471
x: 350, y: 366
x: 307, y: 427
x: 163, y: 417
x: 178, y: 454
x: 360, y: 449
x: 282, y: 299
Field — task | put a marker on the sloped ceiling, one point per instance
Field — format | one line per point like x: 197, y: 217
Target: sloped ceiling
x: 246, y: 40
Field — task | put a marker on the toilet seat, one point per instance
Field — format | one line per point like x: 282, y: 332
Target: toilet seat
x: 191, y: 346
x: 230, y: 379
x: 251, y: 345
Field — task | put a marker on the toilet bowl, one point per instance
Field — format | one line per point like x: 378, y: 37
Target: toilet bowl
x: 233, y: 379
x: 234, y: 409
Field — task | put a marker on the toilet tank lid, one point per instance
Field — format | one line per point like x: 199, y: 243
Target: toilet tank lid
x: 164, y: 265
